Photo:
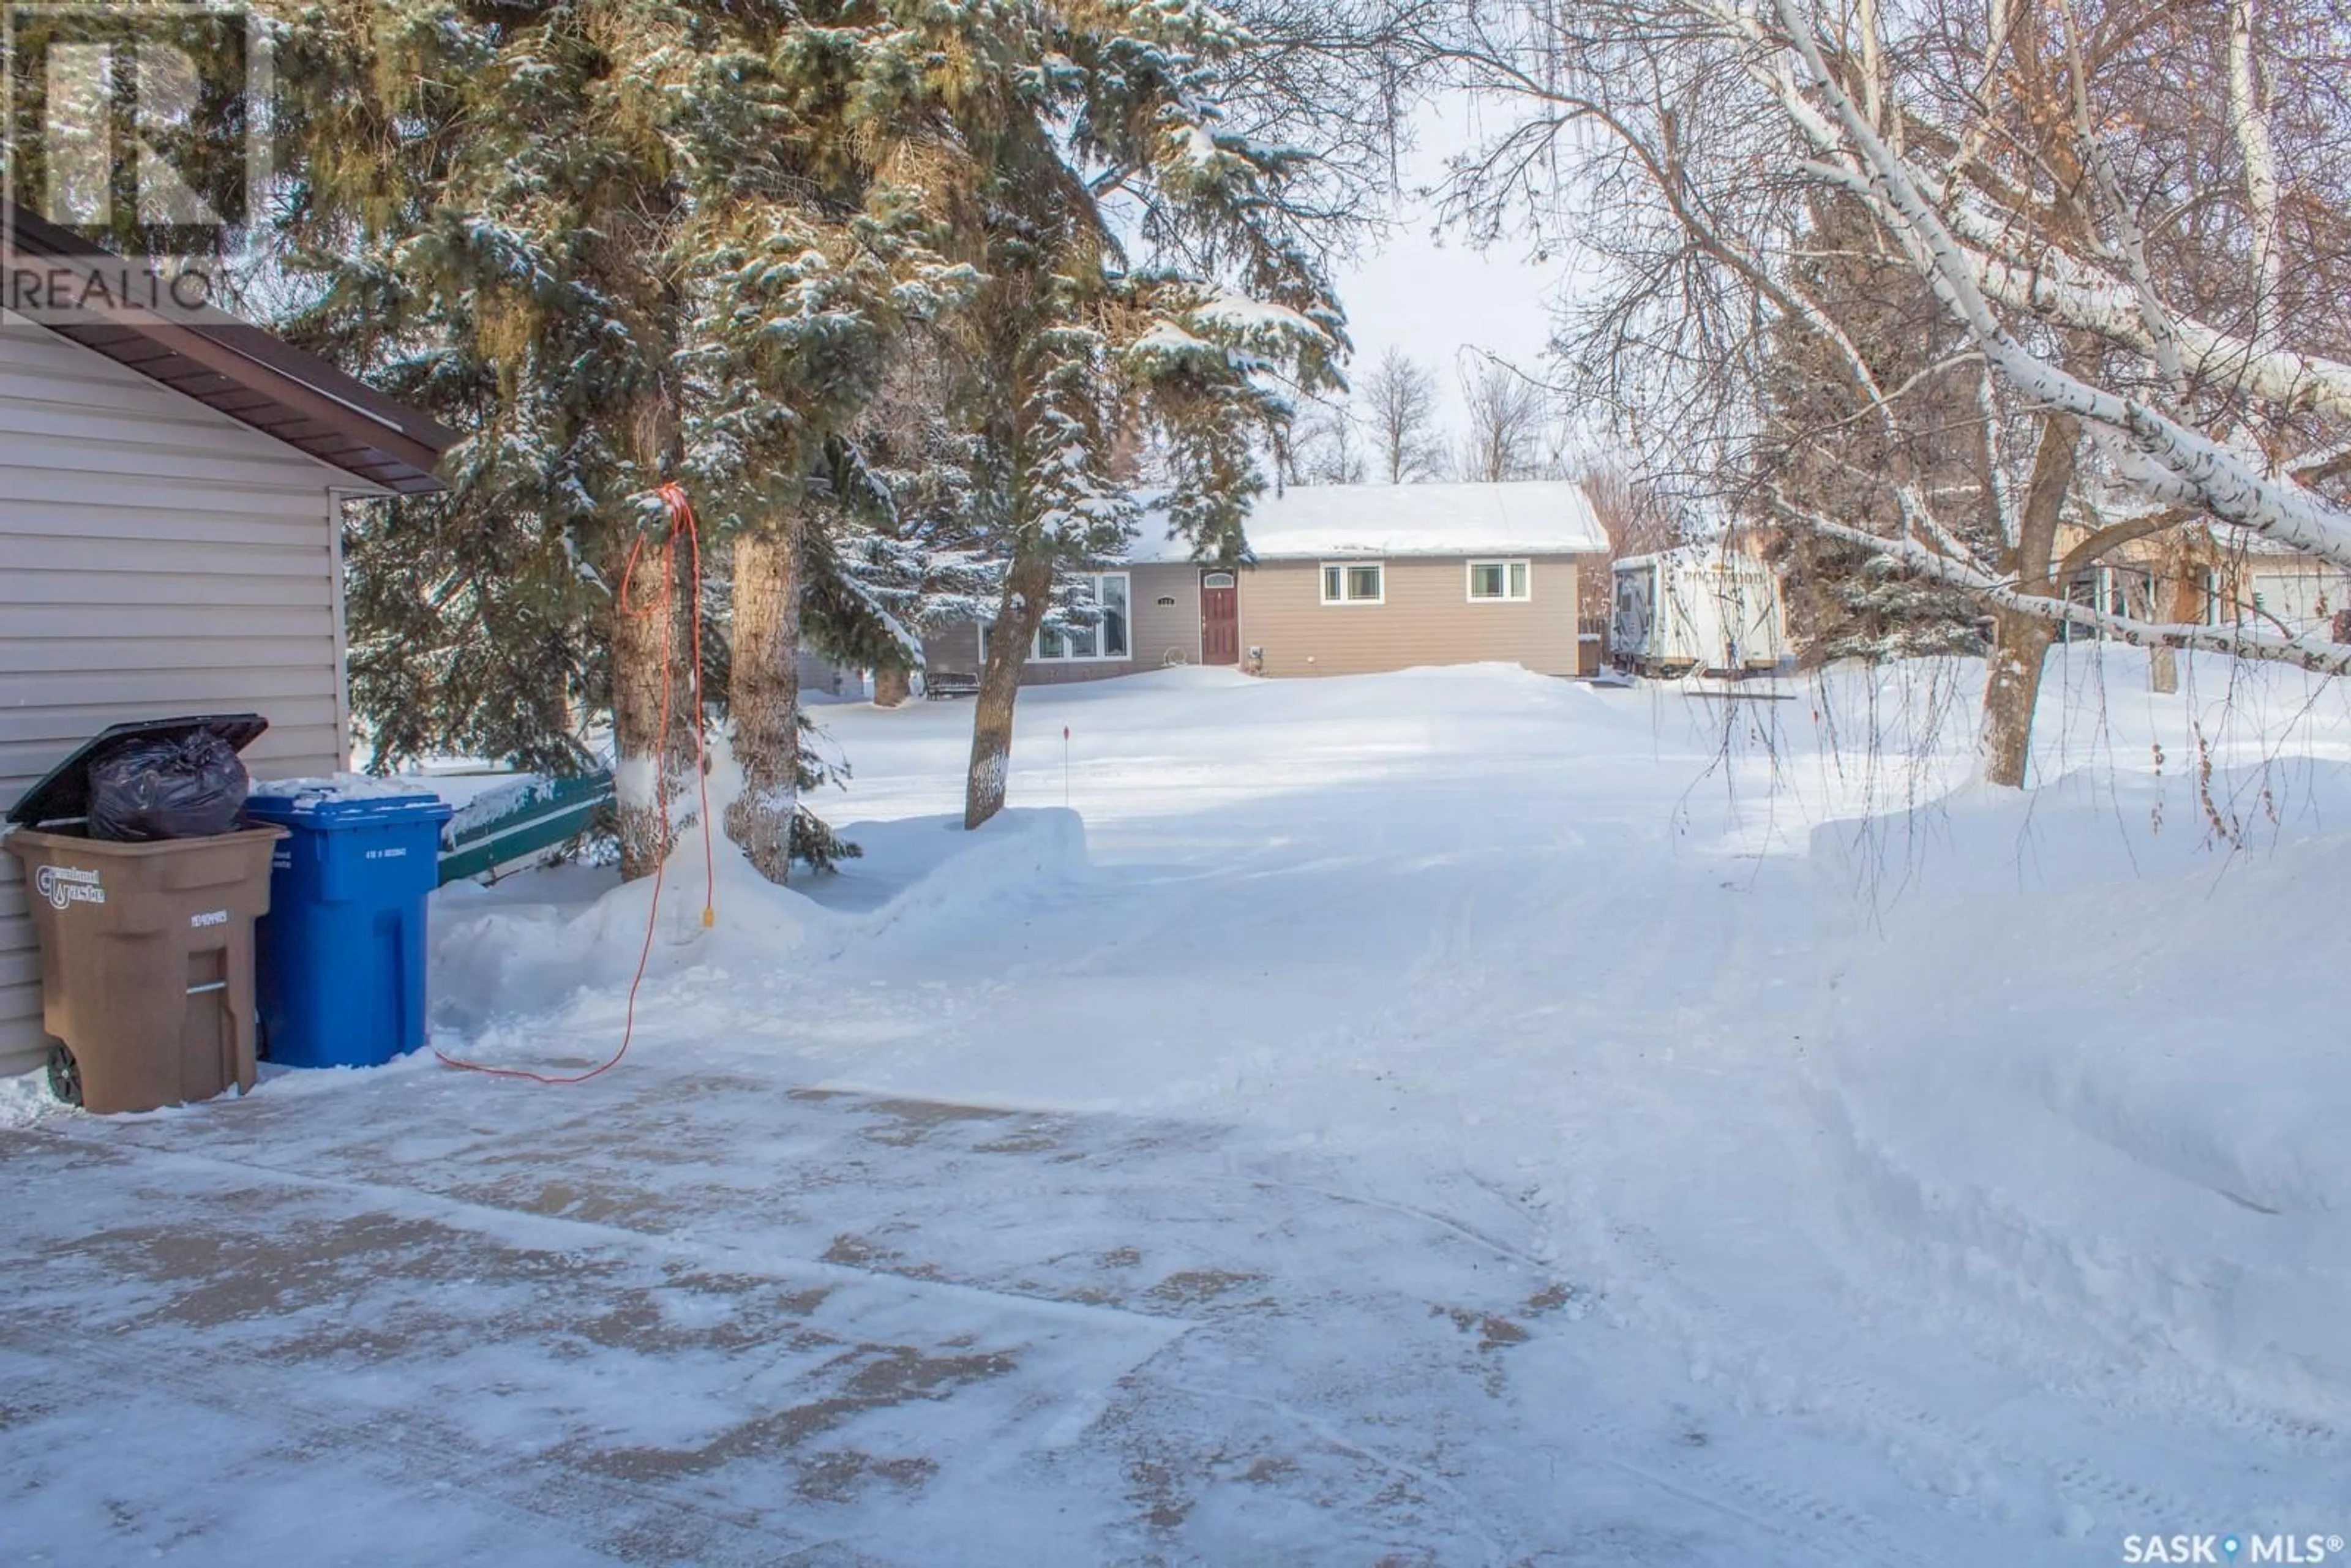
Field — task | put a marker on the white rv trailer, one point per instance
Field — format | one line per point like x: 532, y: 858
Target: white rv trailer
x: 1696, y: 608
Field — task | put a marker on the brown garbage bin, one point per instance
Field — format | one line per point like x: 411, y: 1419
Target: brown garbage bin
x: 147, y: 960
x: 146, y: 948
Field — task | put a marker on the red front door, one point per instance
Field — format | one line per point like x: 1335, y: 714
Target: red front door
x: 1220, y: 619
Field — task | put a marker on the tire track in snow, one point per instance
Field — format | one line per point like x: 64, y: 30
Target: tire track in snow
x: 1935, y: 1447
x: 1622, y: 1262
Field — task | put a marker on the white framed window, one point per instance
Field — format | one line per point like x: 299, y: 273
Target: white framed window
x: 1500, y: 581
x: 1354, y: 582
x: 1110, y: 637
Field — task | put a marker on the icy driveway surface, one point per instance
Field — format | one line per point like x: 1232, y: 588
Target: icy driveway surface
x: 721, y: 1322
x: 1405, y: 1145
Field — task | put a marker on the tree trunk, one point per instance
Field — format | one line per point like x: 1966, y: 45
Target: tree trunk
x: 2187, y: 605
x: 2012, y: 688
x: 764, y: 700
x: 892, y: 685
x: 652, y: 671
x: 2020, y: 643
x: 1026, y: 594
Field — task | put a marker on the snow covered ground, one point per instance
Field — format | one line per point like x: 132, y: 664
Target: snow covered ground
x: 1448, y: 1117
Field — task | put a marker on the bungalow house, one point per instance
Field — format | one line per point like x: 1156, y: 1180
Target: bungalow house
x: 1345, y: 579
x: 170, y: 536
x: 2219, y: 577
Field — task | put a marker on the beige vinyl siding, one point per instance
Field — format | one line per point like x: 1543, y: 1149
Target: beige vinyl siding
x: 1166, y: 634
x: 1154, y: 631
x: 156, y: 557
x: 1427, y: 618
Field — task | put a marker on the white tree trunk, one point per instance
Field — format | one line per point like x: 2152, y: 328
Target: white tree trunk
x: 653, y: 774
x: 763, y: 698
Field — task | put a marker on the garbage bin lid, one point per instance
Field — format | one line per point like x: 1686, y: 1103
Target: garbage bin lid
x: 348, y: 799
x: 62, y: 794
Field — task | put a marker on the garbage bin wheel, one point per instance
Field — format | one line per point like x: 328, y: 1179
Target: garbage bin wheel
x: 65, y: 1075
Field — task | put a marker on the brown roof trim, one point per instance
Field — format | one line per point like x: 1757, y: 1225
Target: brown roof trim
x: 239, y: 369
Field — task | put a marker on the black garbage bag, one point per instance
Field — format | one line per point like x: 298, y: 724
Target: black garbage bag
x: 182, y: 788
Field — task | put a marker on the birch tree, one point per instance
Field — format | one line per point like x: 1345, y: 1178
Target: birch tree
x: 2129, y: 217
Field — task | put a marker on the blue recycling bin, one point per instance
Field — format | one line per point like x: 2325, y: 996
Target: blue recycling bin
x: 339, y: 960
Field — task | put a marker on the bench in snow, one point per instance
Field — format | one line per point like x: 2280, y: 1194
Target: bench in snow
x: 939, y: 683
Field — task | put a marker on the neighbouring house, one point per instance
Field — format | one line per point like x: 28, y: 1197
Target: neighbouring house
x: 169, y: 537
x: 1346, y: 580
x: 2219, y: 577
x: 822, y: 676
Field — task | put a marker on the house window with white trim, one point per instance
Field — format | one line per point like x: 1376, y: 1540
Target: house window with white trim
x: 1107, y: 638
x: 1354, y: 582
x: 1499, y: 581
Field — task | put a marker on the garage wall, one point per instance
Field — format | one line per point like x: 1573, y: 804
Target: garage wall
x: 156, y: 557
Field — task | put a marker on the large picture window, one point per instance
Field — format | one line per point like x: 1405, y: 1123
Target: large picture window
x: 1354, y: 582
x: 1499, y: 581
x: 1108, y: 638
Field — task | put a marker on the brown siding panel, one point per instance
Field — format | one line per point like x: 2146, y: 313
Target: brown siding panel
x: 1428, y: 618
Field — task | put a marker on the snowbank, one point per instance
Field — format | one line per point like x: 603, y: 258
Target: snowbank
x: 497, y: 957
x: 25, y: 1098
x: 2086, y: 1060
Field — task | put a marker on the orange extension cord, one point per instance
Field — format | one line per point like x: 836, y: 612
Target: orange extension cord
x: 681, y: 522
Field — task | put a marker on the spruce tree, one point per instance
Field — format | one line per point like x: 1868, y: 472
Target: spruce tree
x: 1143, y: 271
x: 618, y: 246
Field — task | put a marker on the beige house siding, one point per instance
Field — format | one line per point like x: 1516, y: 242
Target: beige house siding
x: 1428, y: 618
x: 1159, y: 634
x: 1166, y: 634
x: 156, y: 557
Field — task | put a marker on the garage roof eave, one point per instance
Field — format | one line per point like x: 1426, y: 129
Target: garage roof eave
x: 234, y: 367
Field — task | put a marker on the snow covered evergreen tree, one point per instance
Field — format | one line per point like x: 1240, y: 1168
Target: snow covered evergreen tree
x: 479, y: 195
x: 617, y: 245
x: 1099, y: 136
x: 910, y: 559
x: 1821, y: 448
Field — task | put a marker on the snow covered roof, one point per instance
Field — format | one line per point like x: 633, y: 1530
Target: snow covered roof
x: 2241, y: 541
x: 1703, y: 553
x: 1330, y: 520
